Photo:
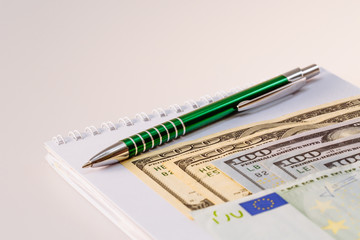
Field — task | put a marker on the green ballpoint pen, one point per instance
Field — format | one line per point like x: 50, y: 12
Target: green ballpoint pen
x: 260, y: 94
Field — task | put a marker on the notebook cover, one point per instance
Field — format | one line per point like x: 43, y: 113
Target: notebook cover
x: 132, y: 205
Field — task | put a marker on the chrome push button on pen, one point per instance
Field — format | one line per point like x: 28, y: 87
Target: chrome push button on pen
x: 257, y: 95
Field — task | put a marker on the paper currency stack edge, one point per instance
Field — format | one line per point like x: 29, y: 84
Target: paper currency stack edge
x: 223, y: 181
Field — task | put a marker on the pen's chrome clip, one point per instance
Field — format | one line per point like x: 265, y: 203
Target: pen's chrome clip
x: 272, y: 96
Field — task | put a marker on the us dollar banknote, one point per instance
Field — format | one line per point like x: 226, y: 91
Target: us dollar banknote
x: 150, y: 167
x: 198, y: 171
x: 246, y: 165
x: 323, y: 205
x: 302, y: 160
x: 314, y: 159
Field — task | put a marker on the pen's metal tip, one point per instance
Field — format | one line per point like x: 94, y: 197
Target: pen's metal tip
x: 111, y: 155
x: 86, y: 165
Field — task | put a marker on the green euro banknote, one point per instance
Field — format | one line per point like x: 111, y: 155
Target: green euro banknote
x: 324, y: 205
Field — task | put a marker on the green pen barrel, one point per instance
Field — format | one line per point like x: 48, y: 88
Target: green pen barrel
x: 198, y: 118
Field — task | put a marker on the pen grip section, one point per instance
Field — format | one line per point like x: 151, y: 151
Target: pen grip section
x: 155, y: 136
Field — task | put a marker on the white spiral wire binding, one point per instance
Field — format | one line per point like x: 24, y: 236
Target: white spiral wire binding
x: 142, y: 116
x: 76, y: 135
x: 159, y: 112
x: 125, y: 121
x: 207, y: 99
x: 92, y: 130
x: 192, y: 104
x: 220, y: 95
x: 234, y: 90
x: 59, y: 140
x: 108, y: 126
x: 176, y: 108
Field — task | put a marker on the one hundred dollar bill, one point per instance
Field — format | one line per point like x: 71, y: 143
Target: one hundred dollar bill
x: 276, y: 163
x: 324, y: 205
x: 150, y: 167
x: 198, y: 171
x: 314, y: 159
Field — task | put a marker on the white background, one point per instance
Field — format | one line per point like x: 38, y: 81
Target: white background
x: 65, y: 65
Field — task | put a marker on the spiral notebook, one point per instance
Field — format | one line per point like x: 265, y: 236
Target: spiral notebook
x: 126, y: 200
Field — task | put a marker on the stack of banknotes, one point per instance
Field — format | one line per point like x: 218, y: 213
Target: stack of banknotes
x: 293, y: 177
